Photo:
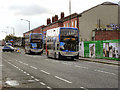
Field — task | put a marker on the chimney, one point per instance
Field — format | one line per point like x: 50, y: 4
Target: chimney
x: 62, y: 15
x: 56, y: 18
x: 53, y: 19
x: 48, y: 21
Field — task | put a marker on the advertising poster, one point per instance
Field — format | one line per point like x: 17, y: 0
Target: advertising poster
x: 91, y: 50
x: 111, y: 50
x: 81, y: 49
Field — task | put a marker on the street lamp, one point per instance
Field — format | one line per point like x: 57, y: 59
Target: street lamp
x: 13, y: 29
x: 70, y: 12
x: 28, y: 22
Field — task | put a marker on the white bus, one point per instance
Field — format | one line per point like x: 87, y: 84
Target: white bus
x: 62, y: 43
x: 34, y: 43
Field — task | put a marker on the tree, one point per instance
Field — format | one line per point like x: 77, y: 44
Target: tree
x: 11, y: 37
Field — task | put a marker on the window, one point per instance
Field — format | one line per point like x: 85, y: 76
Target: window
x: 67, y: 24
x: 64, y: 25
x: 72, y: 24
x: 75, y: 23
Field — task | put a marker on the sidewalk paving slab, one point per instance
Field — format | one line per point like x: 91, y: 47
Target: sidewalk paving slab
x: 105, y: 61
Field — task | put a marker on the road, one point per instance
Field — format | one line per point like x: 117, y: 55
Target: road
x: 20, y: 70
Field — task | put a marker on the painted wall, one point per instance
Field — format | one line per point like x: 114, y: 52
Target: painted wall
x: 105, y: 14
x: 107, y: 49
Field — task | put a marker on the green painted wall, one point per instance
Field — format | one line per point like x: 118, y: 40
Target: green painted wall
x: 98, y: 49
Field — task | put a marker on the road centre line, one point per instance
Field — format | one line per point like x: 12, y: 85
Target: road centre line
x: 42, y: 83
x: 44, y: 72
x: 66, y: 63
x: 49, y: 87
x: 25, y: 64
x: 32, y: 77
x: 84, y: 88
x: 33, y: 67
x: 105, y: 72
x: 20, y: 62
x: 81, y: 67
x: 63, y: 79
x: 37, y: 80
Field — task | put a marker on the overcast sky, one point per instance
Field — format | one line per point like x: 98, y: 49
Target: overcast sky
x: 37, y: 12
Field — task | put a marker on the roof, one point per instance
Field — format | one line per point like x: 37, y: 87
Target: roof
x: 104, y: 3
x: 64, y: 19
x: 35, y: 28
x: 108, y: 3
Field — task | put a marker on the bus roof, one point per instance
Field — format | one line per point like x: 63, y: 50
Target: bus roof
x: 68, y: 28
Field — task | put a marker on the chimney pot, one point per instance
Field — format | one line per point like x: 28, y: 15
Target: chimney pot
x: 53, y: 19
x: 56, y: 18
x: 48, y: 21
x: 62, y: 15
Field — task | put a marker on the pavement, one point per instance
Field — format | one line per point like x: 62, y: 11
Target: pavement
x: 105, y: 61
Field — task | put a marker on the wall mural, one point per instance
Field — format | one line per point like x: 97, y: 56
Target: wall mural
x: 111, y: 50
x: 91, y: 50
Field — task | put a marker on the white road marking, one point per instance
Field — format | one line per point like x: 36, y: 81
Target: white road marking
x: 63, y: 79
x: 37, y: 80
x: 42, y: 83
x: 49, y: 87
x: 20, y: 62
x: 105, y: 72
x: 81, y: 67
x: 45, y: 72
x: 66, y: 63
x: 21, y: 70
x: 24, y: 72
x: 32, y: 76
x: 28, y: 74
x: 84, y: 88
x: 1, y: 65
x: 33, y: 67
x: 25, y: 64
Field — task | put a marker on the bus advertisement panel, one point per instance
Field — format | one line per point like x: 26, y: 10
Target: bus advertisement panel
x: 62, y: 42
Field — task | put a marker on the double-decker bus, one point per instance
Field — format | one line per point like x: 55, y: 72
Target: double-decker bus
x: 34, y: 43
x: 62, y: 43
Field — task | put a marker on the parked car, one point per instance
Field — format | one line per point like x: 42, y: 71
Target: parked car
x: 8, y: 48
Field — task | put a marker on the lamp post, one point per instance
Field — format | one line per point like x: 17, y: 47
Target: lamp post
x: 13, y: 29
x: 28, y: 22
x: 70, y: 12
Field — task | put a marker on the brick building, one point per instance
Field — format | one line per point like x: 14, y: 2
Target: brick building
x: 107, y: 35
x: 103, y: 17
x: 68, y: 21
x: 92, y: 23
x: 35, y: 30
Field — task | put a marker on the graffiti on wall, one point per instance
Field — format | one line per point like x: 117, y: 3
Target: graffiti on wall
x: 111, y: 50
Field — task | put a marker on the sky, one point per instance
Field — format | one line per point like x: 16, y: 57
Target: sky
x: 37, y: 12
